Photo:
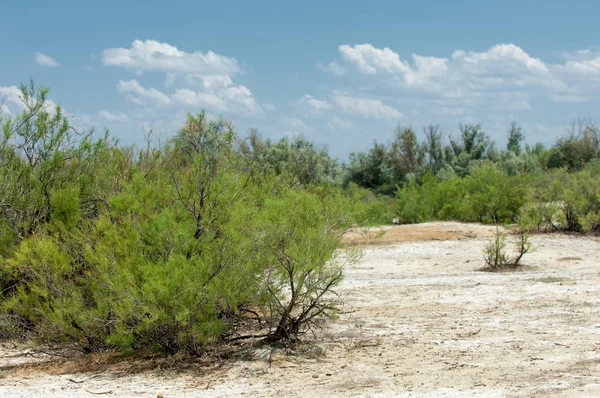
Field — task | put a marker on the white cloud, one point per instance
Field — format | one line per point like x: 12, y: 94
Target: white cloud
x: 502, y: 58
x: 315, y: 104
x: 212, y: 82
x: 197, y: 99
x: 504, y: 64
x: 503, y: 77
x: 45, y: 60
x: 219, y: 93
x: 333, y: 68
x: 387, y: 65
x: 241, y: 95
x: 142, y: 96
x: 365, y: 107
x: 589, y: 67
x: 151, y: 55
x: 200, y: 79
x: 113, y: 117
x: 371, y: 60
x: 427, y: 69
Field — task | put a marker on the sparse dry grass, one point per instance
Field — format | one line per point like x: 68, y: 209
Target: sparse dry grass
x: 416, y: 233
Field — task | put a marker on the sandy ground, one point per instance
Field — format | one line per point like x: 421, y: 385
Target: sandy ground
x: 420, y: 320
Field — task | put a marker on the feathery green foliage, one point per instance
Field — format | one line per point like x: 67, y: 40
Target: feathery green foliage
x: 167, y: 249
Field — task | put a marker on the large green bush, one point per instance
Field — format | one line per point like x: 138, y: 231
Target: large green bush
x: 165, y: 249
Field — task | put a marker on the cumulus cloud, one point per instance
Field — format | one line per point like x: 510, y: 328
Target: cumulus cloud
x: 151, y: 55
x: 113, y: 117
x: 215, y: 94
x: 386, y: 65
x: 45, y: 60
x: 503, y: 77
x: 200, y: 79
x: 502, y: 65
x: 371, y: 60
x: 501, y: 58
x: 141, y: 95
x: 366, y: 108
x: 197, y: 99
x: 583, y: 64
x: 218, y: 92
x: 340, y: 102
x: 314, y: 105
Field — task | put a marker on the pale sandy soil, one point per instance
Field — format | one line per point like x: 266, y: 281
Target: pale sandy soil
x: 420, y: 320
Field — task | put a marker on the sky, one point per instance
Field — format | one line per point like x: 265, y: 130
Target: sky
x: 340, y: 73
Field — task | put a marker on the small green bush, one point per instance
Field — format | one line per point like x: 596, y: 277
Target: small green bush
x: 494, y: 252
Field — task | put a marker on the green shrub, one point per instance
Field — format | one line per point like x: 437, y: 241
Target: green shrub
x: 571, y: 200
x: 168, y: 250
x: 486, y: 195
x: 494, y: 252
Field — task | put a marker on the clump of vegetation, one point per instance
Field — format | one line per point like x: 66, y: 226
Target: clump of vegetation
x: 494, y: 252
x: 171, y: 248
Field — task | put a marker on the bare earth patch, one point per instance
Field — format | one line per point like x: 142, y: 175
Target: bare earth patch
x: 419, y: 320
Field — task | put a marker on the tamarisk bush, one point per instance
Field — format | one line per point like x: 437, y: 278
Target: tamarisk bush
x: 168, y: 248
x: 495, y: 256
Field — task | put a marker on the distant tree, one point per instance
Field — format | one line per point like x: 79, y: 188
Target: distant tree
x: 473, y: 141
x: 434, y: 148
x: 473, y: 146
x: 406, y: 154
x: 515, y: 138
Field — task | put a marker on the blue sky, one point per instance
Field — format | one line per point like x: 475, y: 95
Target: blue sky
x: 341, y: 73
